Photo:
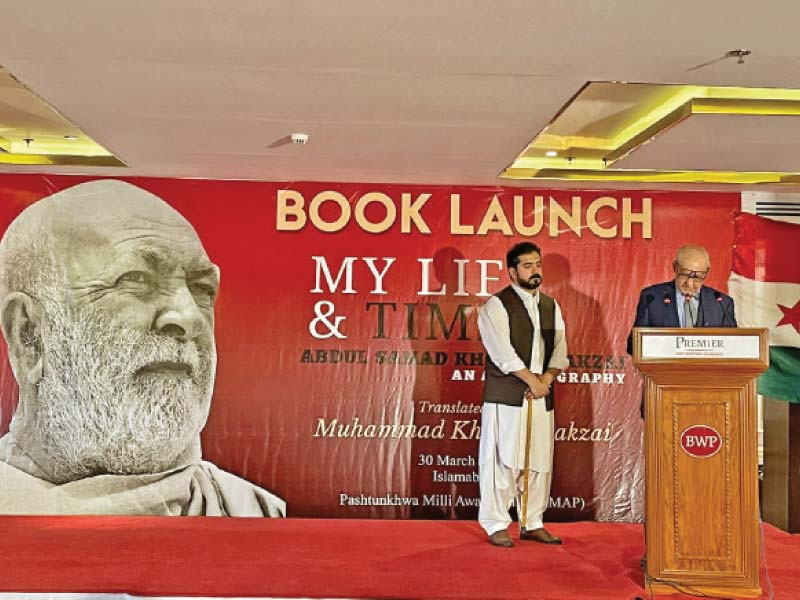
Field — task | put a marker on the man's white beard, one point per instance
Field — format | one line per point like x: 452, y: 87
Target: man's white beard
x: 95, y: 415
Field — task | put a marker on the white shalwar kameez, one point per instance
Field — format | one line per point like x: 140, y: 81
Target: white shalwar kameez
x: 501, y: 455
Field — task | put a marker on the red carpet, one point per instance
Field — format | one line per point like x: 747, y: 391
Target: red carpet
x: 200, y: 556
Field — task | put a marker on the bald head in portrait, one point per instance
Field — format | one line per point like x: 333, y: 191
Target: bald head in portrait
x: 107, y: 309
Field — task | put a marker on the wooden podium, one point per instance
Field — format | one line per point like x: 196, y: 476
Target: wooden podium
x: 701, y: 487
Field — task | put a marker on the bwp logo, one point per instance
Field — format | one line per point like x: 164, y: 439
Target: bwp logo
x: 701, y: 441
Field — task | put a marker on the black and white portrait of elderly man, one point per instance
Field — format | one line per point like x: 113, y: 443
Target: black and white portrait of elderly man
x: 107, y: 309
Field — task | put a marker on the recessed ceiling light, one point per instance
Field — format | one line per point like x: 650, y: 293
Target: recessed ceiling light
x: 597, y: 137
x: 58, y: 141
x: 551, y: 153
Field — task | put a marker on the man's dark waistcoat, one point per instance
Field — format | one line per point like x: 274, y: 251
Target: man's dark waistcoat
x: 500, y: 388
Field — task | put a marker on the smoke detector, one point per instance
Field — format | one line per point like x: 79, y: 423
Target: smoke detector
x: 299, y: 138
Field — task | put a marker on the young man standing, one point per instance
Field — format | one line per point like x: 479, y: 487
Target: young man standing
x: 524, y: 335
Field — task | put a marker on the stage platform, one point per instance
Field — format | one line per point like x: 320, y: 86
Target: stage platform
x: 312, y: 558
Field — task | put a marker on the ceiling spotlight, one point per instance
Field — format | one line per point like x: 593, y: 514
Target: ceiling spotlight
x: 551, y: 153
x: 71, y: 138
x: 299, y: 138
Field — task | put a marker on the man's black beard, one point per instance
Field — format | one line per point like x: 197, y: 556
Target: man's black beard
x: 532, y: 284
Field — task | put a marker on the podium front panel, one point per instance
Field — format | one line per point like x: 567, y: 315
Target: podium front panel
x: 702, y: 489
x: 700, y: 478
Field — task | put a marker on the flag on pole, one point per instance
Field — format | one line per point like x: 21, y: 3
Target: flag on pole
x: 765, y: 285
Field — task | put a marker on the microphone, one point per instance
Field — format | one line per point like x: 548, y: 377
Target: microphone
x: 718, y: 297
x: 667, y: 299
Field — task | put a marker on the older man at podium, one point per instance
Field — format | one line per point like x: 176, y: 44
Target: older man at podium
x: 685, y: 301
x: 700, y: 440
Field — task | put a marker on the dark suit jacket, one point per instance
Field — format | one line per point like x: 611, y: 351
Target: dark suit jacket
x: 657, y: 308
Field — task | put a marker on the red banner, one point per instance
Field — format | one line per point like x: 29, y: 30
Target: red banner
x: 349, y: 364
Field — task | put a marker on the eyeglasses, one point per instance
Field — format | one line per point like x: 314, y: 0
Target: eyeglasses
x: 687, y: 274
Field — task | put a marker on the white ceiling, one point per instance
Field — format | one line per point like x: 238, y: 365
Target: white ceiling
x: 418, y: 91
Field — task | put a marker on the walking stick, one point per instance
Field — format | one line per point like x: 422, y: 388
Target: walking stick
x: 524, y: 516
